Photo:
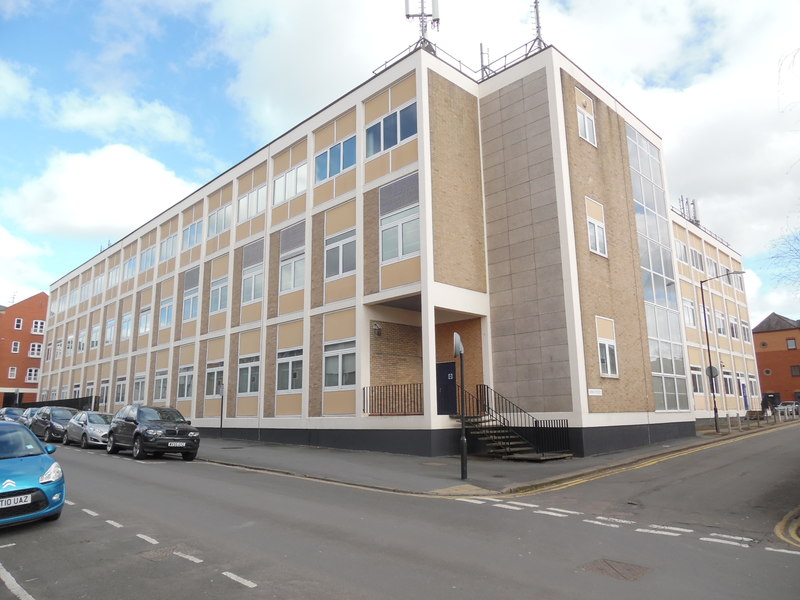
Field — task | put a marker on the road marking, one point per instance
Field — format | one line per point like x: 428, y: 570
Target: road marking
x: 782, y: 550
x: 600, y: 523
x: 147, y: 539
x: 733, y: 537
x: 114, y: 524
x: 91, y: 513
x: 194, y: 559
x: 8, y: 545
x: 507, y: 507
x: 492, y: 499
x: 471, y: 500
x: 525, y: 504
x: 565, y: 511
x: 69, y: 503
x: 614, y: 520
x: 13, y: 586
x: 238, y: 579
x: 547, y: 512
x: 658, y: 532
x: 678, y: 529
x: 728, y: 542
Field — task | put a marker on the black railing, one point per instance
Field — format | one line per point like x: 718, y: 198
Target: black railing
x: 394, y: 400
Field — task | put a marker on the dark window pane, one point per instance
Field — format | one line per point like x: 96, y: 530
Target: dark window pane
x: 390, y: 131
x: 373, y: 139
x: 335, y: 160
x: 408, y: 121
x: 321, y: 167
x: 349, y: 153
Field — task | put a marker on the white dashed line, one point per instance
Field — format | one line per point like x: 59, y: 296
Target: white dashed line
x: 678, y: 529
x: 565, y: 511
x: 147, y: 539
x: 600, y: 523
x: 238, y: 579
x: 492, y: 499
x: 525, y: 504
x: 782, y: 550
x: 114, y: 524
x: 658, y: 532
x: 13, y: 586
x: 91, y: 513
x: 728, y: 542
x: 552, y: 514
x: 507, y: 507
x: 735, y: 538
x: 194, y: 559
x: 69, y: 503
x: 613, y: 520
x: 7, y: 546
x: 471, y: 500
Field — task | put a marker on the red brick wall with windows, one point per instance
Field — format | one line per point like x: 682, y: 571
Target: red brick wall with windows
x: 778, y: 356
x: 23, y: 313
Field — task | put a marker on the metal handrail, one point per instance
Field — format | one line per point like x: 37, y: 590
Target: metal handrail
x: 393, y: 400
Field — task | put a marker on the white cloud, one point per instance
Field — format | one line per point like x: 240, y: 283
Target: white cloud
x: 20, y: 273
x: 762, y: 302
x: 110, y: 116
x: 11, y: 8
x: 15, y: 90
x: 105, y: 193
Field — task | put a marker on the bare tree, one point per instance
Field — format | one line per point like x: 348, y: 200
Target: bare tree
x: 785, y: 258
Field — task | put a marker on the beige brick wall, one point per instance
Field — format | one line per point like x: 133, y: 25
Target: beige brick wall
x: 459, y: 251
x: 396, y: 354
x: 315, y: 366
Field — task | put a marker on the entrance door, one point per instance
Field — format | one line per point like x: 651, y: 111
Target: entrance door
x: 446, y: 402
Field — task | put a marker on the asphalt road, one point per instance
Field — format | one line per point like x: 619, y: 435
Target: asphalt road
x: 696, y: 526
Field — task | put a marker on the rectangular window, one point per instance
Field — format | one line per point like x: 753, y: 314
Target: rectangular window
x: 15, y: 347
x: 681, y: 252
x: 252, y: 203
x: 186, y: 383
x: 192, y: 235
x: 220, y: 220
x: 753, y: 386
x: 32, y: 375
x: 76, y: 390
x: 334, y: 160
x: 392, y: 129
x: 38, y: 327
x: 120, y: 390
x: 81, y: 341
x: 340, y: 365
x: 688, y: 313
x: 586, y: 125
x: 727, y: 382
x: 697, y: 379
x: 795, y: 369
x: 290, y: 371
x: 400, y: 234
x: 35, y: 350
x: 722, y: 325
x: 111, y: 329
x: 73, y: 297
x: 167, y: 248
x: 190, y: 300
x: 94, y: 340
x: 129, y: 268
x: 17, y: 323
x: 90, y: 389
x: 113, y: 276
x: 738, y: 282
x: 697, y: 259
x: 252, y: 284
x: 726, y: 276
x: 597, y: 237
x: 104, y: 389
x: 712, y: 268
x: 214, y: 379
x: 125, y: 327
x: 165, y: 314
x: 340, y: 254
x: 12, y: 372
x: 248, y: 375
x: 138, y: 390
x: 98, y: 284
x: 145, y: 321
x: 289, y: 184
x: 791, y: 344
x: 59, y: 349
x: 160, y: 386
x: 292, y: 273
x: 70, y: 345
x: 746, y: 335
x: 608, y: 358
x: 148, y: 259
x: 48, y: 352
x: 734, y: 328
x: 219, y: 295
x: 85, y: 292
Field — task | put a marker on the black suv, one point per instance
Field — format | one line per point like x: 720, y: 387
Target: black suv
x: 152, y: 429
x: 49, y: 423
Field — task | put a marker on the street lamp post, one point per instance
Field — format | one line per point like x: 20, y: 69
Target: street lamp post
x: 458, y: 351
x: 221, y: 390
x: 712, y: 371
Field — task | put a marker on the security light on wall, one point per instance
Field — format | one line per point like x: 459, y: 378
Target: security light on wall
x: 376, y: 327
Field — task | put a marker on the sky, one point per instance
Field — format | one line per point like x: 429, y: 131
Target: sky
x: 111, y: 111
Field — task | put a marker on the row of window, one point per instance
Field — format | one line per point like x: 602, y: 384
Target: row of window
x: 743, y: 387
x: 723, y: 326
x: 708, y: 265
x: 36, y: 327
x: 31, y: 376
x: 34, y: 350
x: 794, y: 370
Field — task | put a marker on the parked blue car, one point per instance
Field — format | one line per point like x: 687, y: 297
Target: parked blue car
x: 31, y: 482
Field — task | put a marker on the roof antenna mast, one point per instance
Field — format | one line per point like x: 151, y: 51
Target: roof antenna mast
x: 423, y: 17
x: 538, y: 42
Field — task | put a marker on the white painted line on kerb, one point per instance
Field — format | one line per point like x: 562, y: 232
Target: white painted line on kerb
x: 565, y: 511
x: 782, y: 550
x: 507, y: 507
x: 552, y: 514
x: 69, y: 503
x: 613, y: 520
x: 91, y: 513
x: 471, y: 500
x: 147, y: 539
x: 735, y: 538
x: 13, y: 586
x: 678, y: 529
x: 238, y: 579
x: 600, y: 523
x: 525, y: 504
x: 8, y: 546
x: 658, y: 532
x: 194, y: 559
x: 115, y: 524
x: 728, y: 542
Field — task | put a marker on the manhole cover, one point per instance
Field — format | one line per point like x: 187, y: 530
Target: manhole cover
x: 616, y: 569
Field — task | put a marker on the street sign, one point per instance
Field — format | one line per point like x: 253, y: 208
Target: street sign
x: 712, y: 371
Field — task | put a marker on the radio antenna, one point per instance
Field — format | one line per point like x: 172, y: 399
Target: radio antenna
x: 424, y: 17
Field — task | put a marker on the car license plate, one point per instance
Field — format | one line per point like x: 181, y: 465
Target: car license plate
x: 15, y: 501
x: 176, y: 444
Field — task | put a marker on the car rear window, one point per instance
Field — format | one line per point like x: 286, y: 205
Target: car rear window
x: 64, y: 413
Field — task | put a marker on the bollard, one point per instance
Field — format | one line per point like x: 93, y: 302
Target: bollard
x: 728, y: 415
x: 739, y: 418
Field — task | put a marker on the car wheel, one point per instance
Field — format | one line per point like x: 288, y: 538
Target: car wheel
x: 189, y: 456
x: 48, y: 437
x: 65, y: 439
x: 53, y: 517
x: 84, y: 441
x: 111, y: 446
x: 138, y: 450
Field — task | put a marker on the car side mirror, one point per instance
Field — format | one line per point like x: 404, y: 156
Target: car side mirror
x: 50, y: 448
x: 188, y: 422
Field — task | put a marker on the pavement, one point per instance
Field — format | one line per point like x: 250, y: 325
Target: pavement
x: 441, y: 475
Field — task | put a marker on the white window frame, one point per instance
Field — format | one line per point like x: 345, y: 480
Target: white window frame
x: 12, y: 372
x: 113, y: 277
x: 59, y: 349
x: 250, y: 369
x: 791, y: 343
x: 32, y: 375
x: 252, y: 203
x: 727, y: 382
x: 398, y: 220
x: 292, y: 273
x: 15, y: 347
x: 160, y: 385
x: 335, y: 250
x: 38, y: 326
x: 586, y: 124
x: 129, y: 268
x: 99, y: 281
x: 70, y: 345
x: 148, y: 259
x: 335, y: 165
x: 192, y: 235
x: 120, y: 389
x: 218, y: 299
x: 338, y: 351
x: 191, y: 298
x: 290, y: 184
x: 721, y: 323
x: 138, y: 391
x: 698, y: 262
x: 105, y: 388
x: 608, y: 357
x: 753, y: 381
x: 381, y: 125
x: 18, y: 323
x: 253, y: 284
x: 94, y: 340
x: 168, y: 248
x: 287, y: 360
x: 696, y: 376
x: 165, y: 313
x: 145, y: 321
x: 220, y: 220
x: 85, y: 291
x: 185, y: 382
x: 80, y: 348
x: 747, y: 336
x: 125, y: 327
x: 711, y: 267
x: 681, y: 252
x: 689, y: 313
x: 110, y: 332
x: 733, y: 328
x: 35, y: 350
x: 597, y: 237
x: 215, y: 377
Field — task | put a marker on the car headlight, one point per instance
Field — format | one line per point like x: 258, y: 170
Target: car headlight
x: 154, y: 432
x: 52, y: 474
x: 194, y: 434
x: 58, y: 427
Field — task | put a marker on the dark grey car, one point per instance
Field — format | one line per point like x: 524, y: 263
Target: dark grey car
x: 152, y: 430
x: 49, y: 422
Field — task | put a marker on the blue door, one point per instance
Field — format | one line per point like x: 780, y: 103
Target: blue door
x: 446, y: 388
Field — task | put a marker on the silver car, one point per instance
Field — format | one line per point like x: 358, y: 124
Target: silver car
x: 88, y: 428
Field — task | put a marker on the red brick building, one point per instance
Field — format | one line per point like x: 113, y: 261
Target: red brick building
x: 776, y: 339
x: 21, y: 339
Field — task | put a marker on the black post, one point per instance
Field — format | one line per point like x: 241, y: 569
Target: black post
x: 463, y: 440
x: 710, y: 369
x: 221, y: 406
